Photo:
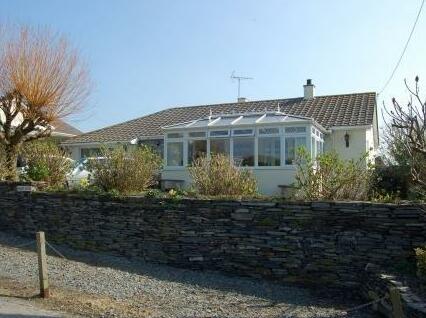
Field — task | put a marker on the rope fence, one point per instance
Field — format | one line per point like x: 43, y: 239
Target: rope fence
x: 41, y: 251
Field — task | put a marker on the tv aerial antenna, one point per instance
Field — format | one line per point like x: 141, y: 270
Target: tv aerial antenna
x: 239, y: 79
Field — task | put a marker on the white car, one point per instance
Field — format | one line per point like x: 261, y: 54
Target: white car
x: 80, y: 172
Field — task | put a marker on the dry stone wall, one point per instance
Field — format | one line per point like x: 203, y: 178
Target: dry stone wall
x: 310, y: 242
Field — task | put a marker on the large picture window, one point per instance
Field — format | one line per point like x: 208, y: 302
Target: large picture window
x: 196, y: 149
x: 291, y: 146
x: 90, y: 152
x: 269, y: 149
x: 175, y: 153
x: 219, y: 146
x: 244, y: 152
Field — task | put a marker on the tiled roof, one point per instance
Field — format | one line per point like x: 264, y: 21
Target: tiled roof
x: 65, y: 128
x: 332, y: 110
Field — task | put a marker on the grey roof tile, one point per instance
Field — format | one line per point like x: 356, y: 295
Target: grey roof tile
x: 332, y: 110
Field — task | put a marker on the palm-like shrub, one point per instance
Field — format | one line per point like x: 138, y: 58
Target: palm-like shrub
x: 217, y: 176
x: 421, y: 262
x: 3, y: 167
x: 46, y: 162
x: 331, y: 178
x: 125, y: 171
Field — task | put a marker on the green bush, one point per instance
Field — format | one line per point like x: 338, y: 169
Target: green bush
x: 421, y: 262
x: 46, y: 162
x: 331, y: 178
x: 127, y: 172
x: 391, y: 181
x: 217, y: 176
x: 38, y: 172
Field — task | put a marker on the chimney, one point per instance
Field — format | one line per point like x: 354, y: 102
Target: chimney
x: 308, y: 90
x: 242, y: 99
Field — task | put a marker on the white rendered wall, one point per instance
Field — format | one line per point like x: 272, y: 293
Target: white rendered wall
x: 268, y: 180
x: 357, y: 143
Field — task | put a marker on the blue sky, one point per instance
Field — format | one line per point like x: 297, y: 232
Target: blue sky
x: 145, y: 56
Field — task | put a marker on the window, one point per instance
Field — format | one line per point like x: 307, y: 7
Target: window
x: 196, y: 149
x: 269, y: 131
x: 243, y: 132
x: 291, y: 146
x: 295, y: 130
x: 157, y: 145
x: 174, y: 135
x: 90, y: 152
x: 244, y: 151
x: 219, y: 133
x: 197, y: 134
x: 175, y: 153
x: 319, y: 147
x: 269, y: 149
x: 219, y: 146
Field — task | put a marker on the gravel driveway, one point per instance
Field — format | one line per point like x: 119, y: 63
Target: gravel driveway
x: 169, y: 292
x: 14, y: 308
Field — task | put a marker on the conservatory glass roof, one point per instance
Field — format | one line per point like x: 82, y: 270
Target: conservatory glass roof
x: 235, y: 120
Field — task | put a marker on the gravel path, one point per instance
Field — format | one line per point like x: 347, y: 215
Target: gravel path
x: 13, y: 308
x: 169, y: 292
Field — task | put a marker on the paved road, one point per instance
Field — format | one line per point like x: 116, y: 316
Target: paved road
x: 17, y: 308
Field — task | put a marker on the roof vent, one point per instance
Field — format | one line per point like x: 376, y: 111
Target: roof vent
x: 242, y: 99
x: 308, y: 89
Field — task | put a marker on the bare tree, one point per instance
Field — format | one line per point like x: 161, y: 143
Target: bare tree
x: 42, y: 79
x: 406, y: 131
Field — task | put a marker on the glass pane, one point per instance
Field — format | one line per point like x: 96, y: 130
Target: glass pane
x: 319, y: 151
x: 219, y: 133
x: 295, y: 130
x: 290, y: 150
x: 174, y: 135
x: 197, y: 134
x: 90, y: 152
x: 175, y: 153
x: 244, y: 151
x: 157, y: 145
x: 196, y: 149
x: 219, y: 146
x: 291, y: 145
x: 269, y: 131
x: 242, y: 132
x: 269, y: 151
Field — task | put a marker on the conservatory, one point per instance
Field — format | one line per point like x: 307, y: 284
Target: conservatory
x: 264, y: 142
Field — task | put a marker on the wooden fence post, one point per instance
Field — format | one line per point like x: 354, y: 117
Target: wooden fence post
x: 42, y: 265
x: 395, y: 298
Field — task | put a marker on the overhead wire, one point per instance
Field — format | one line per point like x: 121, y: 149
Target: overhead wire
x: 404, y: 50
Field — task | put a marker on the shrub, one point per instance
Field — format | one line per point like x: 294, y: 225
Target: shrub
x: 331, y: 178
x: 217, y: 176
x: 421, y: 262
x: 391, y: 181
x: 124, y: 171
x: 46, y: 162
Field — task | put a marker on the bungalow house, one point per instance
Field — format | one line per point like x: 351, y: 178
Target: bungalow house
x: 257, y: 135
x: 62, y: 131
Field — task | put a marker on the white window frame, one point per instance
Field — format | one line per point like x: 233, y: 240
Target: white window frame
x: 251, y: 134
x: 286, y: 135
x: 188, y: 139
x: 182, y: 139
x: 220, y: 136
